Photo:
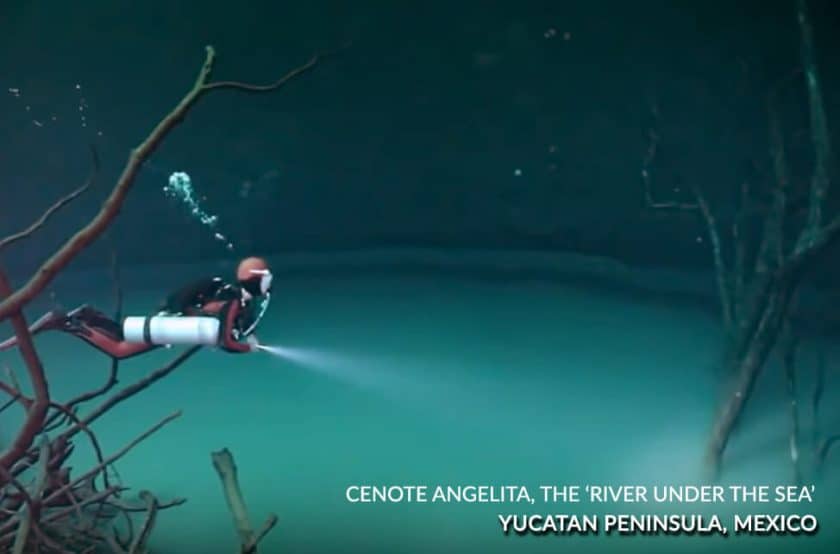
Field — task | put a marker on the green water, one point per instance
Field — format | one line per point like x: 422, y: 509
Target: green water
x: 439, y: 381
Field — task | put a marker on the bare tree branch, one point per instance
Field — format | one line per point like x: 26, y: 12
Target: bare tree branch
x: 133, y: 389
x: 138, y: 546
x: 721, y: 271
x: 770, y: 251
x: 29, y: 519
x: 111, y: 381
x: 788, y: 347
x: 109, y: 460
x: 832, y: 230
x: 825, y: 448
x: 778, y: 274
x: 820, y: 139
x: 226, y: 469
x: 37, y: 412
x: 701, y: 205
x: 41, y: 221
x: 248, y: 87
x: 740, y: 239
x: 816, y: 399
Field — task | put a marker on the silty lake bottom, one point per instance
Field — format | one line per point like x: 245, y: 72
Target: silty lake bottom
x: 426, y: 378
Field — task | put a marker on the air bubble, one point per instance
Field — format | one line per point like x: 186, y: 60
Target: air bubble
x: 181, y: 188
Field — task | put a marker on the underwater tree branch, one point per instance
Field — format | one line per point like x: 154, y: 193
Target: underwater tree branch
x: 112, y: 205
x: 701, y: 205
x: 820, y: 139
x: 248, y: 87
x: 22, y: 493
x: 114, y: 365
x: 822, y: 446
x: 747, y: 363
x: 740, y: 238
x: 10, y: 402
x: 770, y: 251
x: 814, y: 237
x: 31, y: 510
x: 728, y: 304
x: 60, y: 203
x: 225, y: 467
x: 129, y: 508
x: 825, y: 448
x: 788, y: 347
x: 266, y: 528
x: 14, y: 390
x: 832, y: 230
x: 778, y: 273
x: 107, y: 462
x: 80, y: 492
x: 37, y: 411
x: 61, y: 506
x: 132, y: 389
x: 16, y: 396
x: 816, y: 399
x: 138, y: 545
x: 97, y: 449
x: 721, y: 271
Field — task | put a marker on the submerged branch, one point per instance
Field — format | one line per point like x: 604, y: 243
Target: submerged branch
x: 788, y: 347
x: 225, y: 467
x: 721, y: 272
x: 49, y: 212
x: 37, y: 411
x: 820, y: 139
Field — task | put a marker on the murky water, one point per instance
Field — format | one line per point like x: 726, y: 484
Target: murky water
x: 387, y: 380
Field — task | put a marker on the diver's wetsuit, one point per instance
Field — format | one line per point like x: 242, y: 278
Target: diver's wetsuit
x: 206, y: 297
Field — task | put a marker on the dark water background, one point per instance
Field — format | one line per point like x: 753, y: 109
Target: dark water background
x: 472, y: 125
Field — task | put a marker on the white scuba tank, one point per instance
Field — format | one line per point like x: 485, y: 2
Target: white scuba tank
x: 168, y: 329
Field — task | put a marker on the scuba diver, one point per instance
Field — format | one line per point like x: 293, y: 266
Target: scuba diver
x: 237, y: 307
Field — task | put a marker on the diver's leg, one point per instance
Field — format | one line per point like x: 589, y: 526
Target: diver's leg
x: 116, y: 348
x: 103, y: 333
x: 90, y: 325
x: 49, y: 321
x: 91, y: 317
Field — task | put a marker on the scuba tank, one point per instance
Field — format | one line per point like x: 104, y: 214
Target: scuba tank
x: 170, y: 329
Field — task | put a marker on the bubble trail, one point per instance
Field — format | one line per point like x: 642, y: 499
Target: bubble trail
x: 181, y: 188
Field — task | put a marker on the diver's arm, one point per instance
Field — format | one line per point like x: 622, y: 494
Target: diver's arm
x: 227, y: 337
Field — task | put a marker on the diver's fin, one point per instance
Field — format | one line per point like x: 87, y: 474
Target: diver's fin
x: 55, y: 319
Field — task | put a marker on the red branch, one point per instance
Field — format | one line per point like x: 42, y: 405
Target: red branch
x: 37, y: 412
